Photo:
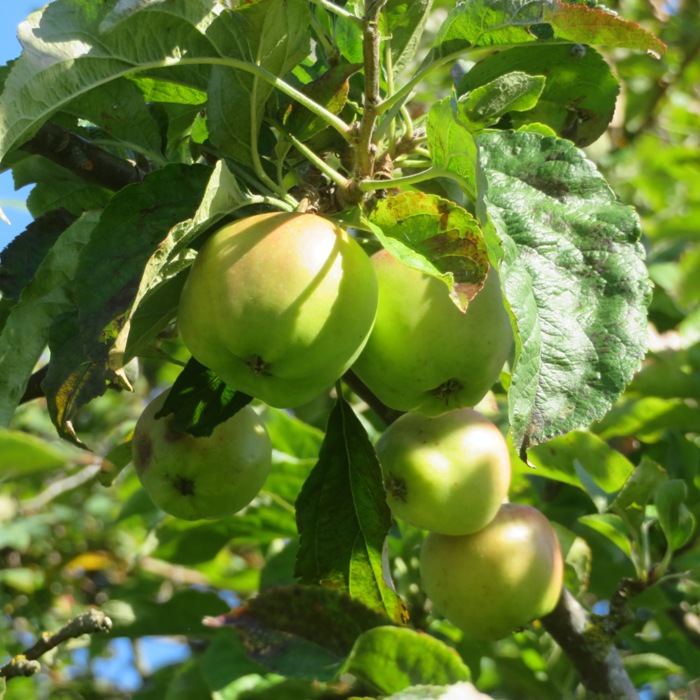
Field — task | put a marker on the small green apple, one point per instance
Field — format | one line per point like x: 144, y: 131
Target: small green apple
x: 447, y: 474
x: 424, y: 354
x: 201, y: 477
x: 279, y: 305
x: 496, y: 580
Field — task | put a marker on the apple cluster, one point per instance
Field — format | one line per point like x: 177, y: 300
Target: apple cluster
x: 489, y: 567
x: 280, y: 306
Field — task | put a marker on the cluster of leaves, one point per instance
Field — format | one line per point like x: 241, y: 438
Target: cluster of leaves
x: 145, y: 125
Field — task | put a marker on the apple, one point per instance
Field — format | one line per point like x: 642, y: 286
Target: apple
x: 496, y: 580
x: 201, y: 477
x: 426, y: 355
x: 447, y: 474
x: 279, y: 305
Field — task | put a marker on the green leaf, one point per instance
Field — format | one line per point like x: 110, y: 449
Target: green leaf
x: 639, y: 489
x: 559, y: 458
x: 579, y: 95
x: 225, y: 660
x: 677, y: 522
x: 613, y: 528
x: 119, y: 109
x: 648, y: 419
x: 343, y: 519
x: 404, y: 22
x: 279, y: 633
x: 512, y: 92
x: 500, y: 23
x: 169, y: 262
x: 573, y: 274
x: 200, y: 401
x: 437, y: 237
x: 29, y: 322
x: 391, y: 659
x: 291, y: 435
x: 20, y: 260
x: 141, y: 614
x: 273, y: 34
x: 330, y: 90
x: 22, y: 454
x: 455, y: 691
x: 450, y: 142
x: 71, y: 47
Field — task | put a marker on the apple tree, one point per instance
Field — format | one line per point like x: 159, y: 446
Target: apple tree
x: 321, y: 226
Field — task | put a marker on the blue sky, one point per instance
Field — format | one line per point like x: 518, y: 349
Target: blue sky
x: 12, y: 12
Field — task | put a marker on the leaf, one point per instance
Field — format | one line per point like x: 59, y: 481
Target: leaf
x: 170, y: 260
x: 593, y: 25
x: 335, y: 623
x: 273, y: 34
x: 559, y: 458
x: 573, y: 274
x: 446, y: 237
x: 119, y: 110
x: 450, y: 142
x: 292, y: 435
x: 648, y: 419
x: 511, y: 92
x: 141, y: 615
x: 22, y: 454
x: 71, y: 47
x: 20, y: 260
x: 611, y: 527
x: 639, y: 489
x: 455, y: 691
x: 579, y: 95
x: 677, y: 522
x: 390, y: 659
x: 28, y: 325
x: 343, y: 519
x: 404, y: 22
x: 500, y: 23
x: 200, y: 401
x: 330, y: 90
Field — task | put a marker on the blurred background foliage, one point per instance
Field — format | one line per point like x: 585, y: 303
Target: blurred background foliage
x: 67, y: 541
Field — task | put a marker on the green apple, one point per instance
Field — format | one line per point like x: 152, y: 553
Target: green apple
x: 447, y: 474
x: 201, y: 477
x: 279, y: 305
x: 492, y: 582
x: 426, y: 355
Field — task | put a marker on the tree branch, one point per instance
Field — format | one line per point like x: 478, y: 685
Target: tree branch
x: 589, y: 649
x: 83, y: 158
x: 365, y: 150
x: 25, y: 664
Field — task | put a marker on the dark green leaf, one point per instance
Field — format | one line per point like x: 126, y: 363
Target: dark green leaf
x: 20, y: 260
x: 200, y: 401
x: 573, y: 274
x: 390, y: 659
x: 291, y: 435
x: 613, y: 528
x: 638, y: 490
x: 225, y: 660
x: 437, y: 237
x: 28, y: 326
x: 579, y: 94
x: 343, y: 519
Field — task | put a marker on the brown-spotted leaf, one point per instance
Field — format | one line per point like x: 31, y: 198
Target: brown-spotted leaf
x: 590, y: 25
x: 437, y: 237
